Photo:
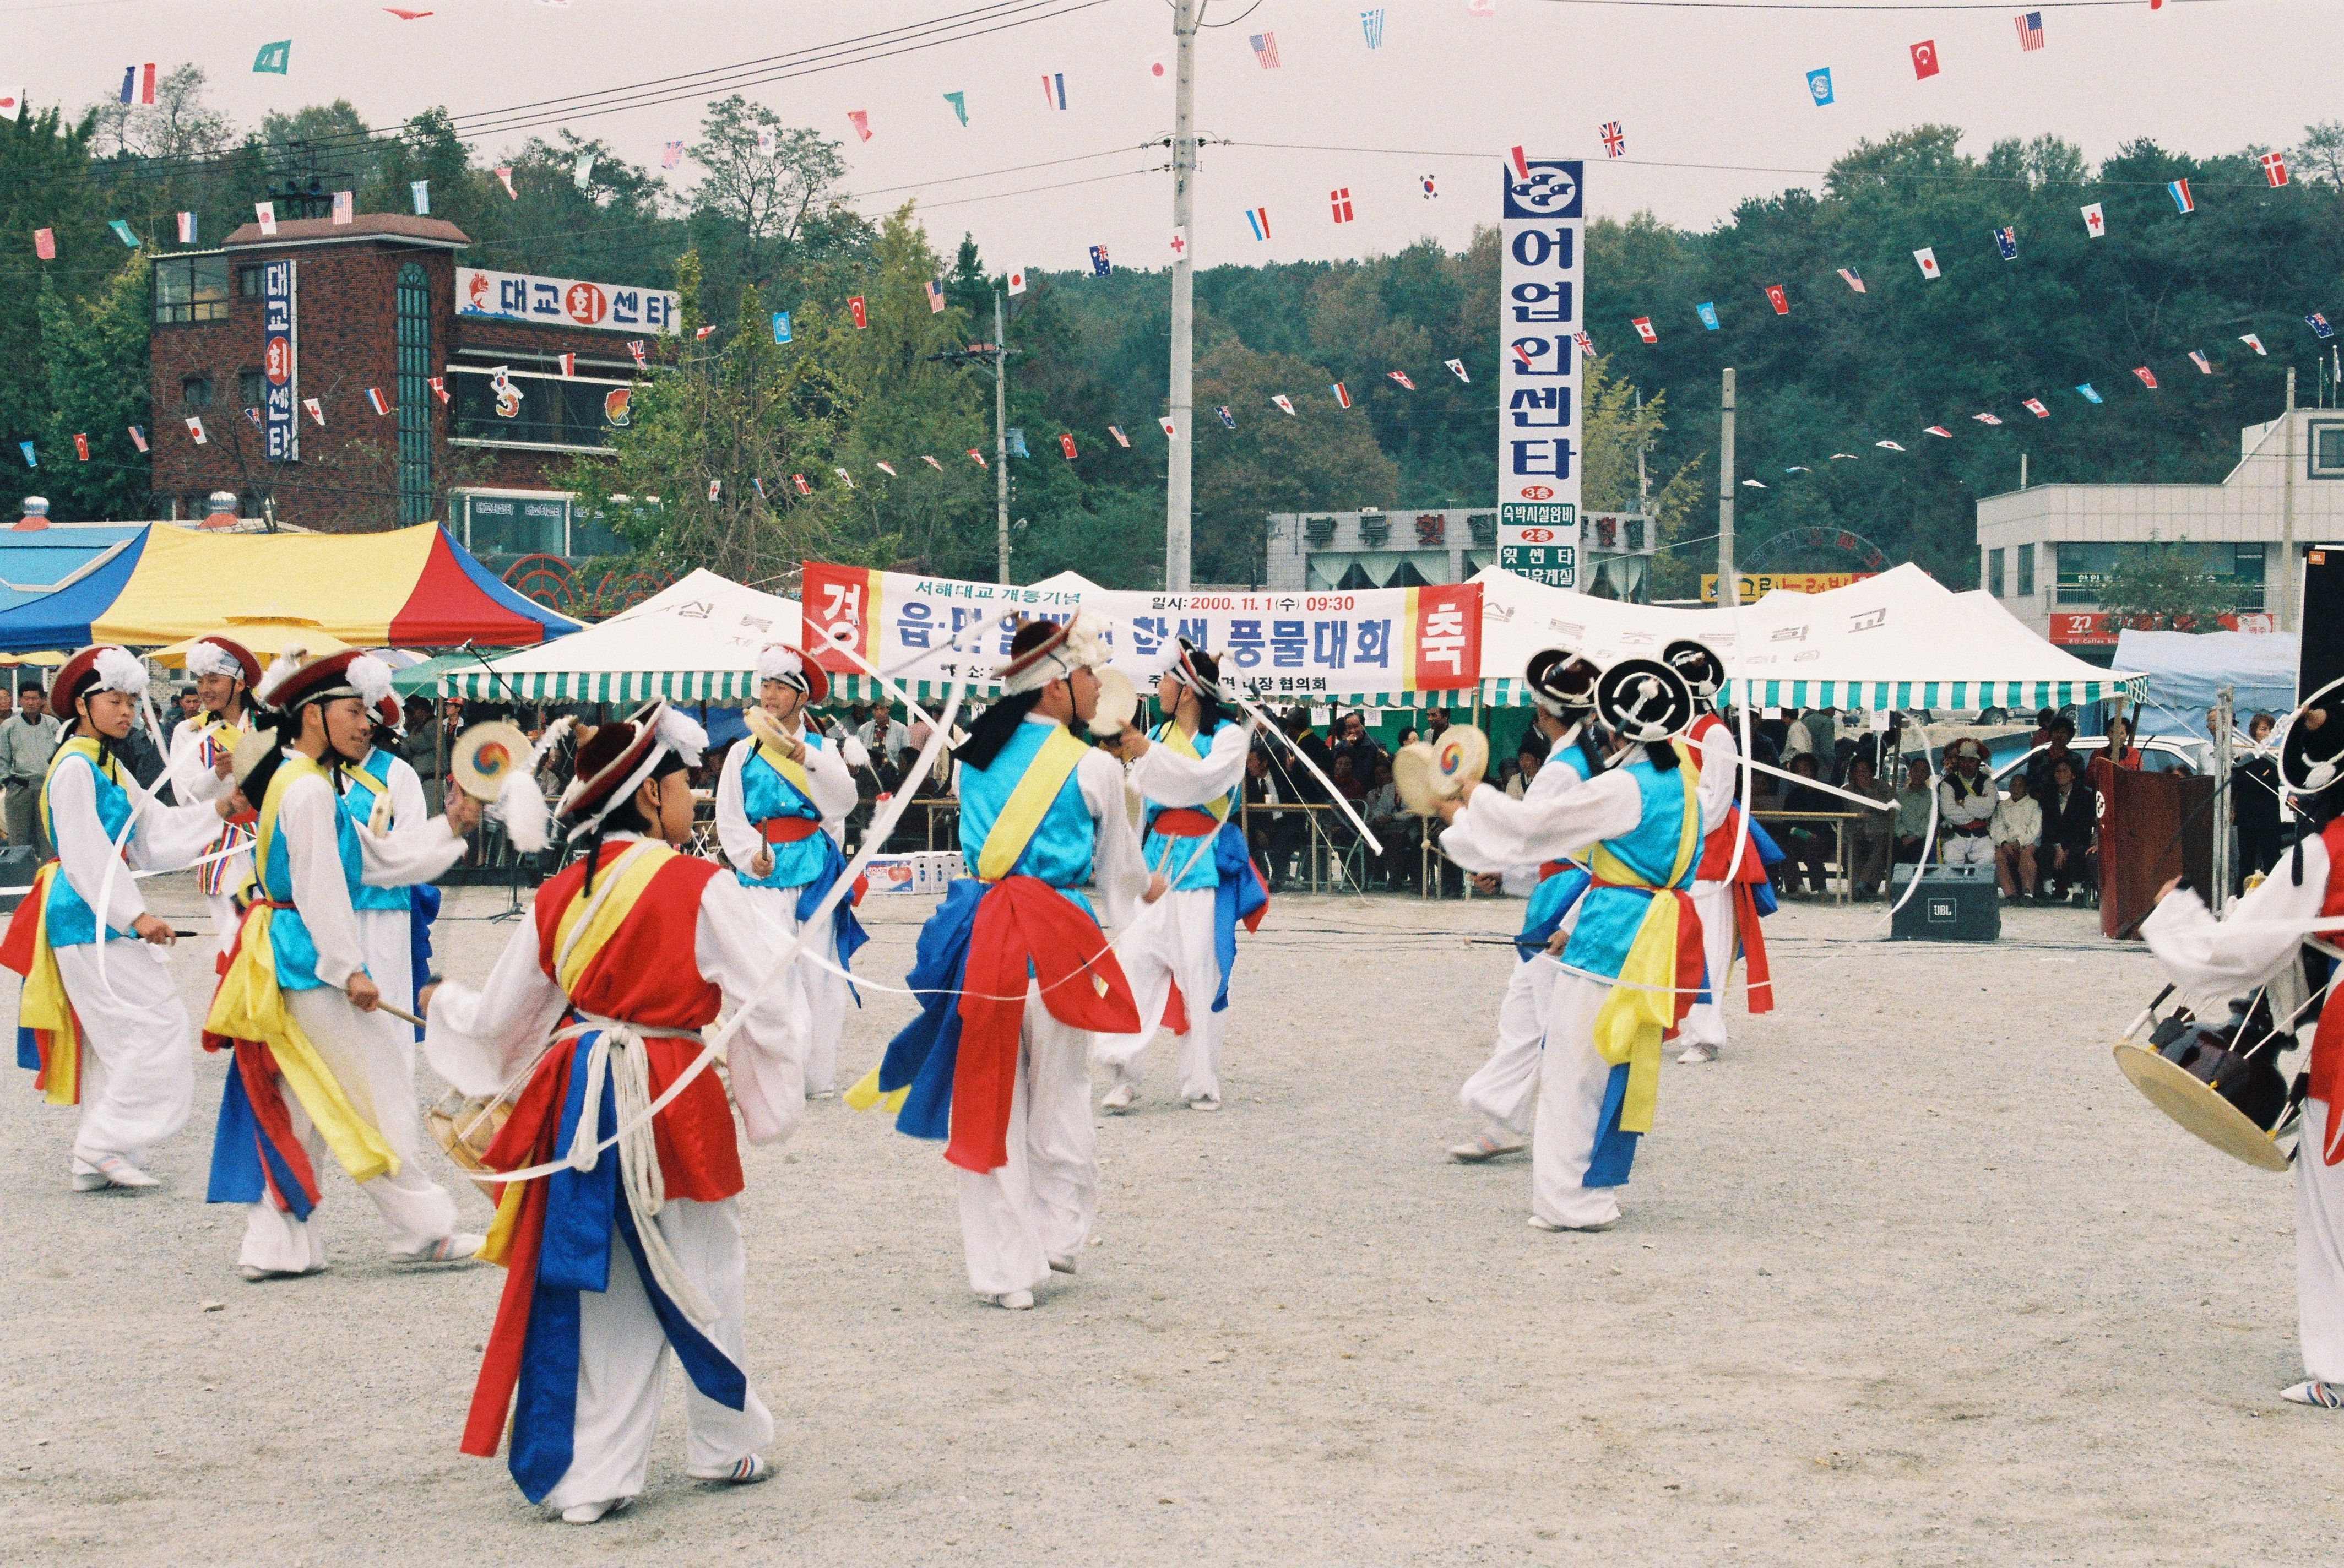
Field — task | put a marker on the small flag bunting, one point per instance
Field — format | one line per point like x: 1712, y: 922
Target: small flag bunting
x: 959, y: 102
x: 316, y: 409
x: 195, y: 430
x: 2182, y: 200
x: 1987, y: 419
x: 2095, y: 222
x: 857, y: 312
x: 2088, y: 395
x: 2275, y: 167
x: 81, y: 446
x: 1644, y: 326
x: 1890, y: 446
x: 2030, y: 31
x: 1100, y: 266
x: 1615, y: 140
x: 1456, y: 368
x: 1258, y: 219
x: 138, y: 438
x: 2006, y: 241
x: 1054, y: 91
x: 1939, y: 430
x: 1924, y: 59
x: 1229, y: 419
x: 1283, y: 402
x: 266, y: 211
x: 1707, y: 311
x: 375, y: 400
x: 2198, y: 357
x: 1401, y: 377
x: 1847, y: 274
x: 186, y: 229
x: 2254, y: 343
x: 1120, y: 438
x: 2317, y: 322
x: 2035, y: 406
x: 1780, y: 300
x: 1926, y: 257
x: 1265, y: 49
x: 122, y: 232
x: 1342, y: 398
x: 2147, y: 377
x: 860, y: 120
x: 1066, y: 444
x: 936, y: 297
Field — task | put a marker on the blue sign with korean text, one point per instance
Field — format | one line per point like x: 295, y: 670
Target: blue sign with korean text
x: 280, y: 363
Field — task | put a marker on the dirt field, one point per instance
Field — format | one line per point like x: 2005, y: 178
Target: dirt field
x: 1911, y: 1277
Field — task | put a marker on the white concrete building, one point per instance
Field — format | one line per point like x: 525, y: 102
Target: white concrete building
x: 2045, y: 552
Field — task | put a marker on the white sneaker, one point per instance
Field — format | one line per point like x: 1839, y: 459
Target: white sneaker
x: 457, y: 1249
x: 1066, y: 1263
x: 1538, y: 1223
x: 594, y: 1513
x: 1205, y: 1102
x: 254, y: 1273
x: 110, y: 1170
x: 1488, y: 1144
x: 821, y: 1094
x: 748, y: 1472
x: 1119, y: 1098
x: 1012, y: 1300
x: 1696, y: 1053
x: 2324, y: 1396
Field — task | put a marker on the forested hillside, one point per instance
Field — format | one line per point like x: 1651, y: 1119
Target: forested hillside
x: 751, y: 232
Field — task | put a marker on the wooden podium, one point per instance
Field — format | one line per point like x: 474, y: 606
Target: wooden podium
x: 2143, y: 841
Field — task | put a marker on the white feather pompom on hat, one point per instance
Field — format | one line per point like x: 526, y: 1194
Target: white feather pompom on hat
x: 282, y: 668
x: 776, y: 663
x: 119, y: 669
x: 679, y: 733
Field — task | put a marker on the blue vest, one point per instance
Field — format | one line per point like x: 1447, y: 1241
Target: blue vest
x: 369, y: 781
x: 1060, y: 851
x: 295, y: 950
x: 72, y: 923
x: 1609, y: 916
x: 766, y: 794
x: 1203, y: 873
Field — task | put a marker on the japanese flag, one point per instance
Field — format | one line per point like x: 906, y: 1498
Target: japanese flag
x: 1927, y: 258
x: 2251, y: 341
x: 196, y: 428
x: 1170, y: 434
x: 266, y: 211
x: 1285, y: 403
x: 1016, y: 280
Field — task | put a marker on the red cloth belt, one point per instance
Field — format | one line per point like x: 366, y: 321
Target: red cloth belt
x: 1758, y: 978
x: 1552, y: 868
x: 1023, y: 927
x: 1183, y: 822
x: 2328, y: 1040
x: 1717, y: 852
x: 1969, y: 829
x: 788, y: 829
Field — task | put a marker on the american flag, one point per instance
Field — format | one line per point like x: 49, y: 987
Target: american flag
x: 1615, y: 140
x: 2030, y: 30
x: 1265, y: 49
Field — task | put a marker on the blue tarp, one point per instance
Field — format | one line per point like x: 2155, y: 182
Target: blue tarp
x: 34, y: 562
x: 2184, y: 669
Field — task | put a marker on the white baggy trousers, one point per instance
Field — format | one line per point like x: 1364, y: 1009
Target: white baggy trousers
x: 1039, y: 1206
x: 622, y: 1355
x: 1573, y: 1078
x: 1505, y: 1090
x: 823, y: 994
x: 1713, y: 902
x: 137, y: 1050
x: 2319, y: 1248
x: 1178, y: 950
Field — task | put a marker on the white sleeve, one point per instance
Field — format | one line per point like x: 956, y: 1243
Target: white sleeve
x: 736, y: 944
x: 84, y: 848
x: 407, y: 804
x: 167, y: 836
x: 408, y: 855
x: 192, y: 778
x: 829, y: 784
x: 734, y: 832
x: 1721, y: 772
x: 479, y: 1039
x: 1172, y: 780
x: 2216, y: 959
x: 1118, y: 864
x: 1495, y: 832
x: 306, y: 817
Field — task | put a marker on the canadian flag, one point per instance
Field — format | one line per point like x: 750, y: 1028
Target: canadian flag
x: 1644, y: 326
x: 1927, y: 258
x: 2035, y: 406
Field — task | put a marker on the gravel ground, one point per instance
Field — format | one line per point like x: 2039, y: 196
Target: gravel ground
x: 1910, y: 1277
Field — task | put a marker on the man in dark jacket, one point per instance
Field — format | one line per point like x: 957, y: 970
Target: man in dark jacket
x: 2070, y: 813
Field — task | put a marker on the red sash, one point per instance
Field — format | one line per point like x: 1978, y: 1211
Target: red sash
x: 1180, y: 822
x: 2328, y: 1039
x: 787, y: 829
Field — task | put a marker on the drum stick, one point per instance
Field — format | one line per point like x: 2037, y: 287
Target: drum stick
x: 400, y: 1012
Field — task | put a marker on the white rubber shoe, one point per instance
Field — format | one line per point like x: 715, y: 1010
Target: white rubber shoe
x: 1697, y: 1053
x: 594, y: 1513
x: 2319, y: 1395
x: 457, y: 1249
x: 1486, y: 1145
x: 1205, y: 1102
x: 748, y: 1472
x: 1538, y: 1223
x: 109, y: 1171
x: 1012, y: 1300
x: 1119, y: 1098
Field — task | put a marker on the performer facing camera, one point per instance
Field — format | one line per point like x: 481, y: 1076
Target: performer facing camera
x: 2264, y: 951
x: 99, y: 1022
x: 1190, y: 771
x: 1632, y: 963
x: 1015, y: 974
x: 595, y: 1009
x: 1730, y: 890
x: 226, y: 672
x: 317, y: 1065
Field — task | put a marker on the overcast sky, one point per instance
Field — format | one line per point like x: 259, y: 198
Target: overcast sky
x: 1689, y: 86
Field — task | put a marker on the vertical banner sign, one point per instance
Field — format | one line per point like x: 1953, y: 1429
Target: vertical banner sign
x: 1541, y: 279
x: 280, y: 363
x: 1385, y: 643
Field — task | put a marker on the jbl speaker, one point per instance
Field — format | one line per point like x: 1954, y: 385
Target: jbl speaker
x: 2322, y: 618
x: 17, y: 864
x: 1953, y: 904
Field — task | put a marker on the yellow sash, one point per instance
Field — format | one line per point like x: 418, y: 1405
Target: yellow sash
x: 604, y: 911
x: 1021, y: 812
x: 294, y: 766
x: 1631, y: 1023
x: 1181, y: 743
x: 43, y: 1004
x: 79, y: 746
x: 789, y: 769
x: 250, y: 1005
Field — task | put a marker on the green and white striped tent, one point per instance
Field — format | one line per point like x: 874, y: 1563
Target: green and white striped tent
x: 1898, y: 640
x: 696, y: 641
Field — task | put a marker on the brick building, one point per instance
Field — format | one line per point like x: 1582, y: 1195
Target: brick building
x: 278, y: 343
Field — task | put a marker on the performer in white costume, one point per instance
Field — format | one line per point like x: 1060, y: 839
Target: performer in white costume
x: 1632, y: 963
x: 781, y: 804
x: 225, y: 671
x: 1716, y: 898
x: 1191, y: 773
x: 104, y: 1029
x: 383, y: 796
x: 1502, y: 1096
x: 2260, y: 940
x: 317, y: 1066
x: 629, y: 953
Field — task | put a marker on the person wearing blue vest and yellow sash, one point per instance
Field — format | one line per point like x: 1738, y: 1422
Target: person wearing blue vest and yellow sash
x: 782, y: 802
x: 317, y: 1066
x: 383, y: 797
x: 1632, y: 964
x: 593, y: 1011
x: 225, y: 671
x: 1191, y: 773
x: 1730, y: 911
x: 1503, y: 1095
x: 99, y: 1021
x: 1016, y: 976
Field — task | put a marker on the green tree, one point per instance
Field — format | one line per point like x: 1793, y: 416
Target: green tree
x: 2165, y: 585
x: 96, y: 372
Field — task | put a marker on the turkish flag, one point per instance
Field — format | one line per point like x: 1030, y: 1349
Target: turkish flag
x: 1924, y: 59
x: 1066, y: 445
x: 81, y: 446
x: 854, y: 308
x: 1781, y: 301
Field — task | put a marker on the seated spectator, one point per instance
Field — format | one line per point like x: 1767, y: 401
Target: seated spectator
x: 1347, y: 784
x: 1400, y: 831
x: 1352, y: 740
x: 2017, y: 829
x: 1873, y: 835
x: 1526, y: 768
x: 2065, y: 860
x: 1912, y: 812
x: 2057, y: 735
x: 1806, y: 846
x: 1272, y: 836
x: 1965, y: 801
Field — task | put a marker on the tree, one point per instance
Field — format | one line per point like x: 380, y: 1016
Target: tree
x: 2164, y: 586
x: 767, y: 199
x: 97, y: 371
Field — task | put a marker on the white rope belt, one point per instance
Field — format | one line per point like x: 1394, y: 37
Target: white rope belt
x: 617, y: 1055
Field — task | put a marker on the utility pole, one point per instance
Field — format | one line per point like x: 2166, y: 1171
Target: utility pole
x: 2286, y: 567
x: 1184, y: 294
x: 1000, y: 436
x: 1729, y: 586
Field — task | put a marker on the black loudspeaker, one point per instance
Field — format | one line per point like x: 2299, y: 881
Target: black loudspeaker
x: 2321, y: 617
x: 1955, y: 903
x: 17, y: 864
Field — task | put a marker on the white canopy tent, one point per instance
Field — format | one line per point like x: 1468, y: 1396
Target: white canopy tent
x: 696, y: 642
x: 1898, y: 640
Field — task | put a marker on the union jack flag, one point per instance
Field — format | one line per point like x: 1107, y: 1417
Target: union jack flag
x: 1615, y: 140
x: 2030, y: 30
